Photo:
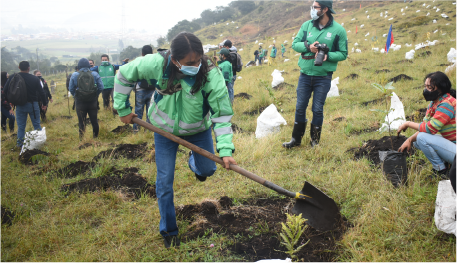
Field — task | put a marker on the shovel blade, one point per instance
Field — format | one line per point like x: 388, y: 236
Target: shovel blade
x: 321, y: 211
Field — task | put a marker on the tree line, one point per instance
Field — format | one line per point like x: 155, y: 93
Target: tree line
x: 209, y: 17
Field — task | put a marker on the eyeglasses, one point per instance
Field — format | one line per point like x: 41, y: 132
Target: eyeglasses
x: 428, y: 86
x: 315, y: 7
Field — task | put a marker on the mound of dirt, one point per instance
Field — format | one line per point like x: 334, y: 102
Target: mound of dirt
x: 424, y: 54
x: 66, y: 117
x: 130, y: 184
x: 7, y: 216
x: 122, y: 129
x: 371, y: 148
x: 352, y: 76
x: 255, y: 226
x: 366, y: 130
x: 376, y: 101
x: 417, y: 116
x: 243, y: 95
x: 295, y: 69
x: 235, y: 128
x: 381, y: 70
x: 26, y: 157
x: 250, y: 63
x: 339, y: 119
x: 256, y: 111
x: 445, y: 65
x: 73, y: 169
x: 400, y: 77
x: 84, y: 146
x: 129, y: 151
x: 405, y: 61
x: 283, y: 85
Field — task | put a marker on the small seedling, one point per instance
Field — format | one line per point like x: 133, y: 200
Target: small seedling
x: 387, y: 94
x: 291, y: 233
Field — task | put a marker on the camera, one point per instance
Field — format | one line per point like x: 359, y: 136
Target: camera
x: 323, y: 49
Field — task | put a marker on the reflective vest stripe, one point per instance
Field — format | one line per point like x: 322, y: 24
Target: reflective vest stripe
x: 221, y: 119
x: 222, y: 131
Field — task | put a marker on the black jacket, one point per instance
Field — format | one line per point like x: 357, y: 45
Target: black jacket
x: 34, y: 90
x: 45, y: 87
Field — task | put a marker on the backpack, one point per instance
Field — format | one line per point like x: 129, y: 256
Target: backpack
x: 17, y: 91
x: 86, y: 90
x: 239, y: 63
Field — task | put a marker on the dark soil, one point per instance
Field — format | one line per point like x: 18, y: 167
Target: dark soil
x: 66, y: 117
x: 7, y: 216
x: 417, y: 116
x: 376, y: 101
x: 235, y: 128
x: 256, y: 111
x: 405, y: 60
x: 283, y: 85
x: 127, y: 181
x: 445, y: 65
x: 381, y: 70
x: 400, y: 77
x: 371, y: 148
x: 129, y: 151
x: 295, y: 69
x: 352, y: 76
x: 26, y: 157
x: 367, y: 130
x: 73, y: 169
x: 243, y: 95
x: 339, y: 119
x: 254, y: 226
x: 122, y: 129
x: 84, y: 146
x: 424, y: 54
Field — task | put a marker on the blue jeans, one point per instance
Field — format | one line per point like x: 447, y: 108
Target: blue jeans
x: 319, y: 86
x: 436, y: 148
x: 21, y: 119
x: 230, y: 91
x: 142, y: 99
x: 7, y: 115
x: 165, y: 161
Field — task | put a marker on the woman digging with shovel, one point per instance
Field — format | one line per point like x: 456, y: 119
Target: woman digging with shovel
x: 190, y: 98
x: 439, y: 118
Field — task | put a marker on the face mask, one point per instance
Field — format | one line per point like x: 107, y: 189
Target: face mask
x: 189, y: 70
x: 314, y: 14
x: 431, y: 95
x: 40, y: 77
x: 105, y: 62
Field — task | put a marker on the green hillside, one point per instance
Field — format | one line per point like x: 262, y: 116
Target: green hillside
x: 383, y: 223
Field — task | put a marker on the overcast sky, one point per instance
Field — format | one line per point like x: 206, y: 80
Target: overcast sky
x: 155, y: 16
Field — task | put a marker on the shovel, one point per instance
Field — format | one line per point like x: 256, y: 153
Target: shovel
x: 320, y: 210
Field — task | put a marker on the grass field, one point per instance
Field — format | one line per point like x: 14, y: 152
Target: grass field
x: 388, y: 224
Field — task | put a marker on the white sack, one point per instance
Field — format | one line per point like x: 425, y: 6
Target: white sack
x: 451, y: 55
x: 277, y: 78
x: 275, y: 260
x: 450, y: 68
x: 445, y: 207
x: 333, y: 92
x: 397, y: 112
x: 410, y: 54
x: 69, y: 95
x: 266, y: 60
x: 285, y: 60
x: 34, y: 140
x: 268, y: 122
x: 239, y: 77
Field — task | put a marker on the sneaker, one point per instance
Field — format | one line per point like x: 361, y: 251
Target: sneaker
x: 171, y: 241
x: 442, y: 175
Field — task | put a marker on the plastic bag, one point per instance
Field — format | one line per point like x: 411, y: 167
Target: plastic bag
x: 287, y: 260
x: 333, y: 92
x: 445, y: 210
x: 450, y: 68
x: 394, y: 167
x: 268, y: 122
x: 34, y: 140
x: 285, y: 60
x: 396, y: 115
x: 256, y: 62
x: 451, y: 55
x: 69, y: 94
x: 410, y: 54
x: 277, y: 78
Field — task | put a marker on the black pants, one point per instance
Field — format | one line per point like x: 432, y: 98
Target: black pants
x: 82, y: 109
x: 106, y: 93
x: 42, y: 112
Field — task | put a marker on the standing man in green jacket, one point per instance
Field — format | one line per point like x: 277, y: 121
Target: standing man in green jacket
x: 272, y: 55
x: 107, y: 71
x: 316, y: 80
x: 227, y: 71
x: 283, y: 50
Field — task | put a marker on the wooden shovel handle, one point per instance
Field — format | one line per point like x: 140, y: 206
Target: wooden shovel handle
x: 200, y: 151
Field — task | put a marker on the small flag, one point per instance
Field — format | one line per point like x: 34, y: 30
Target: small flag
x: 390, y: 40
x: 356, y: 29
x: 360, y: 6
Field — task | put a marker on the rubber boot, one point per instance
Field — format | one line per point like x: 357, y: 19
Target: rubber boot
x: 315, y: 132
x: 297, y: 135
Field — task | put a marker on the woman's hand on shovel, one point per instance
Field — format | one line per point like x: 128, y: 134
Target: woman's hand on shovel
x: 127, y: 119
x: 227, y: 161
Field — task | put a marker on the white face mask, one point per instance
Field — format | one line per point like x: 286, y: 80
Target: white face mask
x: 314, y: 14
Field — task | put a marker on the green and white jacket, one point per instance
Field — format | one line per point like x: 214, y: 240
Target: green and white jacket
x: 180, y: 113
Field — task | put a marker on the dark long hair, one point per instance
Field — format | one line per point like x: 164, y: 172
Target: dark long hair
x: 4, y: 78
x: 441, y: 81
x: 183, y: 44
